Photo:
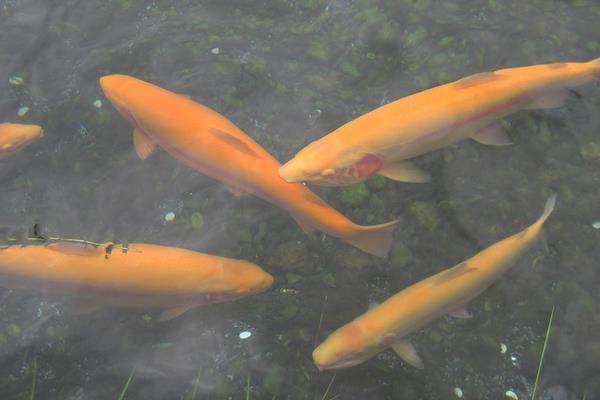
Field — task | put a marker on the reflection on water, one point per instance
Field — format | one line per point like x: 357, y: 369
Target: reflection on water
x: 287, y: 72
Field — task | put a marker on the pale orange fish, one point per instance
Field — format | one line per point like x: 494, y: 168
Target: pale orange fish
x: 387, y: 325
x: 208, y: 142
x: 138, y: 275
x: 383, y: 140
x: 14, y: 137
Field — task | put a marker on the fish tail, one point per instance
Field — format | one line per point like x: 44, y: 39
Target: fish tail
x: 374, y: 239
x: 550, y: 203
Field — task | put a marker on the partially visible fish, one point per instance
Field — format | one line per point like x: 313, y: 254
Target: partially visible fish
x: 383, y: 140
x: 208, y: 142
x: 448, y: 292
x: 14, y: 137
x: 140, y: 275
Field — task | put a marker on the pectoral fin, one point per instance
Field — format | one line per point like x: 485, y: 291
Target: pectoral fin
x: 144, y: 145
x: 407, y: 352
x: 404, y: 171
x: 492, y: 135
x: 172, y: 313
x: 548, y: 100
x: 461, y: 313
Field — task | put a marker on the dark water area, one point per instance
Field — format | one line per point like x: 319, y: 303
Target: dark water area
x: 287, y: 72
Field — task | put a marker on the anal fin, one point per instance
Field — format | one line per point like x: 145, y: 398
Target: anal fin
x: 172, y: 313
x: 305, y: 226
x: 461, y: 313
x: 493, y: 135
x: 404, y: 171
x: 144, y: 145
x: 548, y: 100
x: 407, y: 352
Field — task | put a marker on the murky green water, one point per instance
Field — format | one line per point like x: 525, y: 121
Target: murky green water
x: 287, y: 72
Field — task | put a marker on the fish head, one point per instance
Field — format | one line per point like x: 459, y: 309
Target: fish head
x: 14, y: 137
x: 243, y: 277
x: 346, y: 347
x: 124, y: 94
x: 325, y: 162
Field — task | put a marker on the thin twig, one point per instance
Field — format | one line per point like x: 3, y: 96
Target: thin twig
x: 329, y: 386
x: 537, y: 377
x: 122, y: 395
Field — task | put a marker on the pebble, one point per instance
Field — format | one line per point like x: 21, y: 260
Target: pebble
x: 22, y: 111
x: 215, y: 50
x: 503, y: 348
x: 15, y: 80
x: 97, y: 103
x: 170, y: 216
x: 511, y: 395
x: 596, y: 224
x: 458, y: 392
x: 245, y: 334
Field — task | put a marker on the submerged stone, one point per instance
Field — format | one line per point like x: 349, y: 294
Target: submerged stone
x: 290, y: 255
x: 401, y: 255
x: 426, y: 214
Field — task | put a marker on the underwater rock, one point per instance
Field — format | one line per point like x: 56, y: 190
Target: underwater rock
x: 353, y: 259
x: 355, y: 195
x: 401, y: 255
x: 292, y: 255
x: 426, y: 214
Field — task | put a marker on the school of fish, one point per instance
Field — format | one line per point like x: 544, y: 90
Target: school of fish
x: 382, y: 141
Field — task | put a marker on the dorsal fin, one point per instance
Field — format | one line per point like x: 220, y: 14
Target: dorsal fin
x: 452, y: 273
x: 477, y: 79
x: 233, y: 141
x: 76, y: 249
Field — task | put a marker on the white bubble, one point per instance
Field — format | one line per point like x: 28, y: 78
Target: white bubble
x: 97, y: 103
x: 245, y: 334
x: 458, y: 392
x: 215, y: 50
x: 15, y: 80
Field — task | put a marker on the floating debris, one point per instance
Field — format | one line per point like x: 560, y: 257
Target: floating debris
x: 15, y: 80
x: 22, y: 111
x: 170, y: 216
x: 511, y: 395
x: 97, y: 103
x: 596, y: 224
x: 458, y: 392
x: 215, y: 50
x: 245, y: 334
x: 503, y: 348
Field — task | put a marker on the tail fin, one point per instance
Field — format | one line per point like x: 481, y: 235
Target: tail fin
x: 550, y: 203
x: 374, y: 239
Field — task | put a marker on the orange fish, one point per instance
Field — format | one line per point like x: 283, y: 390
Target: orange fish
x: 14, y: 137
x: 138, y: 275
x: 388, y: 324
x: 208, y: 142
x: 383, y: 140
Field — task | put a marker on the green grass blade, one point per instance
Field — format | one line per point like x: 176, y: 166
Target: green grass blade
x: 33, y: 379
x: 328, y: 386
x: 539, y: 371
x: 196, y: 383
x: 248, y: 387
x: 122, y: 395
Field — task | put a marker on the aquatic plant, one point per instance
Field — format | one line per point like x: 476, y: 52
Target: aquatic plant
x: 539, y: 370
x: 124, y: 391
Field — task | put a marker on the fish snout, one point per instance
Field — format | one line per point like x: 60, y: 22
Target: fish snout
x: 289, y: 173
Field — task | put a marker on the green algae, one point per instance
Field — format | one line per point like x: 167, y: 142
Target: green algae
x: 292, y: 278
x: 414, y: 38
x: 292, y: 255
x: 590, y: 151
x: 290, y: 310
x: 13, y: 330
x: 376, y: 182
x: 401, y: 256
x: 274, y: 380
x: 328, y: 278
x: 355, y: 195
x: 426, y: 214
x: 318, y: 51
x: 352, y: 259
x: 197, y: 220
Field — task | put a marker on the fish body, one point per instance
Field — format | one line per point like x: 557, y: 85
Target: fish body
x: 388, y: 324
x: 142, y: 275
x: 381, y: 141
x: 208, y: 142
x: 14, y: 137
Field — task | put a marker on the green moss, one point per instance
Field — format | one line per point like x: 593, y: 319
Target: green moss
x: 414, y: 38
x: 292, y: 278
x: 435, y: 337
x: 3, y: 339
x: 328, y: 278
x: 292, y: 255
x: 376, y: 182
x: 426, y: 214
x: 13, y: 330
x: 350, y: 70
x: 590, y: 151
x: 401, y: 255
x: 290, y: 310
x: 355, y: 195
x: 318, y: 51
x: 545, y: 134
x: 197, y: 220
x: 446, y: 41
x: 352, y: 259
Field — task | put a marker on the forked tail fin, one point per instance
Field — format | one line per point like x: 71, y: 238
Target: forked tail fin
x: 374, y: 239
x: 596, y: 64
x: 550, y: 203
